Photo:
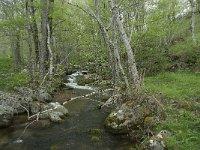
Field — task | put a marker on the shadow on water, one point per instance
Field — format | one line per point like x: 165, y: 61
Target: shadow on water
x: 82, y: 130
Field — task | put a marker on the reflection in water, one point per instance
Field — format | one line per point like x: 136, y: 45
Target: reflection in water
x: 73, y: 134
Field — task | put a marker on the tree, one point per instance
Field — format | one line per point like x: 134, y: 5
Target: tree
x: 29, y: 40
x: 129, y: 50
x: 43, y: 52
x: 192, y: 3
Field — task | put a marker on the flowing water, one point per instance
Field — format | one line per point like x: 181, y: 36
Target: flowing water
x: 82, y: 130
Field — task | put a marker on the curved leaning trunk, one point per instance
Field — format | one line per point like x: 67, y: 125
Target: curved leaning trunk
x: 118, y: 59
x: 129, y: 50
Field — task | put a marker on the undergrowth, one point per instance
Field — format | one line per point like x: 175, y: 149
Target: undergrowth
x: 180, y: 93
x: 9, y: 79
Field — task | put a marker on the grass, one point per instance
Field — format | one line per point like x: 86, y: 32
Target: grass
x: 181, y: 94
x: 180, y: 85
x: 9, y: 79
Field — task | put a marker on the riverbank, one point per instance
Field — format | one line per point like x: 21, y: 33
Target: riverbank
x: 180, y: 94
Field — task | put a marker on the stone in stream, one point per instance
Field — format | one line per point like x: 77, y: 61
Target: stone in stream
x: 35, y: 107
x: 55, y: 116
x: 54, y: 111
x: 6, y: 116
x: 17, y: 102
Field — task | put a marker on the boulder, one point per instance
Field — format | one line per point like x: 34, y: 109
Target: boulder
x: 157, y: 142
x: 112, y: 103
x: 17, y: 102
x: 55, y: 116
x: 58, y: 108
x: 53, y: 111
x: 25, y: 91
x: 43, y: 96
x: 131, y: 115
x: 6, y: 116
x: 87, y: 79
x: 35, y: 107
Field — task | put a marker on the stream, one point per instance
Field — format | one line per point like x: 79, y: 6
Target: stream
x: 82, y: 130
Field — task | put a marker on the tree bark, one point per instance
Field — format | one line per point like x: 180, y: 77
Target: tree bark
x: 29, y: 41
x: 129, y: 50
x: 193, y: 18
x: 118, y: 60
x: 34, y: 29
x: 16, y: 51
x: 50, y: 54
x: 43, y: 52
x: 105, y: 36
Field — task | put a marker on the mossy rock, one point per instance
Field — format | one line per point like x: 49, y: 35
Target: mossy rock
x: 133, y: 115
x: 95, y: 139
x: 54, y: 147
x: 95, y: 131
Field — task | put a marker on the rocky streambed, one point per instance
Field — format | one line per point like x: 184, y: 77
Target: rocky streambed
x: 82, y: 119
x: 78, y: 122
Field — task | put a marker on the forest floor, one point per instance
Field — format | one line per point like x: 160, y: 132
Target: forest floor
x: 180, y: 94
x: 178, y: 91
x: 9, y: 79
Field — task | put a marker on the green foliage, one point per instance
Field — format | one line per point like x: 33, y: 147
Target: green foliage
x: 181, y: 93
x: 10, y: 79
x: 179, y: 85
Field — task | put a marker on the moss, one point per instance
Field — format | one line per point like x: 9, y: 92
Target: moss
x: 95, y: 138
x: 54, y: 147
x: 95, y: 131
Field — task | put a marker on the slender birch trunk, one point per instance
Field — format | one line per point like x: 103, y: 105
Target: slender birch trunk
x: 129, y: 50
x: 193, y: 18
x: 118, y: 60
x: 50, y: 54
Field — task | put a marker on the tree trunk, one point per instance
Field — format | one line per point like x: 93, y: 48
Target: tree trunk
x: 34, y: 29
x: 16, y: 51
x: 129, y: 50
x: 43, y: 52
x: 50, y: 54
x: 193, y: 18
x: 29, y: 41
x: 50, y: 18
x: 105, y: 36
x: 118, y: 60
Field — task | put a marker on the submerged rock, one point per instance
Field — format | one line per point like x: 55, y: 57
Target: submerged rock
x: 41, y: 124
x: 6, y: 116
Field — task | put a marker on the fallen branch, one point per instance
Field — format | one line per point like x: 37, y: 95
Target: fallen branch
x: 87, y: 95
x: 44, y: 79
x: 84, y: 96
